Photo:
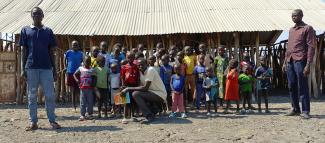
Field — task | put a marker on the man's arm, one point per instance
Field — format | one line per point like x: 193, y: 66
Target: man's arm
x: 310, y: 41
x: 23, y: 60
x: 52, y: 59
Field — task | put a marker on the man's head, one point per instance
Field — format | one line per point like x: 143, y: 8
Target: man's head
x: 37, y: 16
x: 75, y: 45
x: 221, y: 51
x: 188, y: 50
x: 165, y: 60
x: 142, y: 65
x: 130, y: 56
x: 140, y: 47
x: 103, y: 46
x: 246, y: 56
x: 297, y: 15
x: 262, y: 60
x: 94, y: 51
x: 152, y: 60
x: 202, y: 48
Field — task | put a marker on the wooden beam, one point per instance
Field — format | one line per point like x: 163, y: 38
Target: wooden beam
x: 257, y: 51
x: 236, y: 50
x: 218, y: 39
x: 19, y: 97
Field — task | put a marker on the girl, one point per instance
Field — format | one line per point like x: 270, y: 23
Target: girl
x: 232, y: 85
x: 86, y: 83
x: 177, y: 85
x: 211, y: 86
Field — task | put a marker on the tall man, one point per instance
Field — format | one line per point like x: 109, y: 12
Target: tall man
x: 38, y: 45
x: 298, y: 57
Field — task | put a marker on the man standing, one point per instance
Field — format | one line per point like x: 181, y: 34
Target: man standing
x: 73, y: 59
x: 38, y: 44
x: 298, y: 57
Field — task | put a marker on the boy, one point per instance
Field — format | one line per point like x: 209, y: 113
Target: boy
x: 190, y: 61
x: 199, y: 73
x: 165, y: 75
x: 130, y: 77
x: 151, y: 62
x: 94, y: 54
x: 73, y: 60
x: 87, y: 82
x: 210, y: 84
x: 246, y: 82
x: 115, y: 83
x: 102, y: 74
x: 263, y: 75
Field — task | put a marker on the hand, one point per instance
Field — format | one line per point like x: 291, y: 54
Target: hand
x: 284, y: 69
x: 306, y: 70
x: 124, y: 91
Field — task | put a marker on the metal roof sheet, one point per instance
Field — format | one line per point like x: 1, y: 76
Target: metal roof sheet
x: 153, y: 17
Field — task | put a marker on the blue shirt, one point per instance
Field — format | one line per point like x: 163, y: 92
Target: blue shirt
x: 74, y: 59
x: 38, y: 43
x: 166, y: 74
x: 178, y: 82
x: 116, y: 60
x: 213, y: 81
x: 199, y: 72
x: 266, y: 72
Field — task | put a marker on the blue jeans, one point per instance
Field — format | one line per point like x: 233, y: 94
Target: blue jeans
x: 43, y: 77
x: 298, y: 86
x: 86, y: 101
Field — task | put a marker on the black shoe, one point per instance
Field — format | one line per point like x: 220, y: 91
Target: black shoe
x: 305, y: 116
x: 32, y: 127
x: 292, y: 113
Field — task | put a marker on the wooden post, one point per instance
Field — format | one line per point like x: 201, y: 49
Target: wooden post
x: 257, y: 45
x: 218, y: 39
x: 236, y: 50
x: 84, y: 45
x: 1, y: 43
x: 19, y: 97
x: 130, y: 43
x: 57, y: 59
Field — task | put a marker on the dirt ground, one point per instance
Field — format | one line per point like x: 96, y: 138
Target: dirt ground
x: 272, y: 127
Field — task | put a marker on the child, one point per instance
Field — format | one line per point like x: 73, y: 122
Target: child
x: 86, y: 83
x: 190, y: 61
x: 210, y: 84
x: 165, y: 75
x: 246, y: 82
x: 94, y: 54
x: 152, y: 61
x: 220, y: 63
x: 115, y: 83
x: 130, y: 77
x: 102, y: 74
x: 263, y: 74
x: 177, y: 85
x: 73, y: 60
x: 232, y: 85
x: 199, y: 73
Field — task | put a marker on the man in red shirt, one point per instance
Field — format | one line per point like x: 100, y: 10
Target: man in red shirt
x: 299, y: 55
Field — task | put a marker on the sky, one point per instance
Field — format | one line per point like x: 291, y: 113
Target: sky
x: 284, y: 35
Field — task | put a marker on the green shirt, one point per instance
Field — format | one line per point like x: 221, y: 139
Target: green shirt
x: 101, y: 77
x: 245, y: 82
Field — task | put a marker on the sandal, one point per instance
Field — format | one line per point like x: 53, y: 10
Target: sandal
x: 82, y: 118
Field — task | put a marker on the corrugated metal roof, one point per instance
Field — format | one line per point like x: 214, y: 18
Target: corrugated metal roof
x: 153, y: 17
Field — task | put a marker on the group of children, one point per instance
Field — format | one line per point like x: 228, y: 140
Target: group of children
x: 188, y: 75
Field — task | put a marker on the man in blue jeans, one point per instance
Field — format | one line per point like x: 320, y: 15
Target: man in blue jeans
x: 299, y: 55
x: 37, y: 45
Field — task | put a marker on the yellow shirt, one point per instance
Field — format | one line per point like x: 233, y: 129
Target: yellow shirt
x: 93, y: 62
x: 190, y: 62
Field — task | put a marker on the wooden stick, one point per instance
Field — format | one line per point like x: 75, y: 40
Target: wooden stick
x: 257, y: 45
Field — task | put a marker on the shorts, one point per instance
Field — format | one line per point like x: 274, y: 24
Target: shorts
x: 71, y: 81
x: 114, y: 91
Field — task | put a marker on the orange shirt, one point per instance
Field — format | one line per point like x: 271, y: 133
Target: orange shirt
x: 232, y: 86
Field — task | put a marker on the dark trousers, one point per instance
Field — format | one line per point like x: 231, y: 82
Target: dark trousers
x: 148, y: 102
x: 298, y: 86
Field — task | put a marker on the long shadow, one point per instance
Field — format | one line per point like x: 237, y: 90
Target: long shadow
x: 167, y: 120
x: 85, y: 129
x: 318, y: 116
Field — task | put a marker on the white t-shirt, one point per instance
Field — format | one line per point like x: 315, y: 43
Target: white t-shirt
x: 157, y: 86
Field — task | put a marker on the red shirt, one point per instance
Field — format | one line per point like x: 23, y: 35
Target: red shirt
x: 301, y: 43
x: 130, y: 75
